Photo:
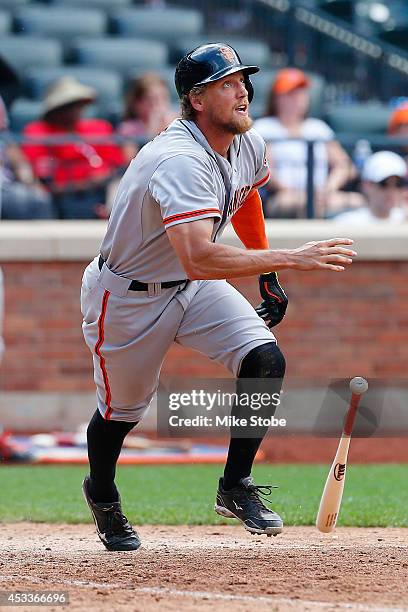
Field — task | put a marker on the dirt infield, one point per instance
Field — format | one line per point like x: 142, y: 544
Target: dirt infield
x: 210, y: 568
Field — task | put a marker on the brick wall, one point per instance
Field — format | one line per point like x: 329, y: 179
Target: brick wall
x: 338, y: 325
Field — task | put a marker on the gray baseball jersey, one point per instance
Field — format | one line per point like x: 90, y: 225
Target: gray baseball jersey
x: 177, y: 178
x: 174, y: 179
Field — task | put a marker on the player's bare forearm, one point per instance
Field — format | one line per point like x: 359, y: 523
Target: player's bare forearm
x: 221, y: 261
x: 206, y: 260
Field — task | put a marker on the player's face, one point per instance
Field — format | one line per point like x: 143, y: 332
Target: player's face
x: 225, y: 102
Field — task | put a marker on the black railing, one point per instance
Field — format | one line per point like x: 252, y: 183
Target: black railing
x: 348, y: 141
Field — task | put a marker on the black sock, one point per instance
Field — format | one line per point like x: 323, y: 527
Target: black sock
x: 241, y: 455
x: 267, y: 364
x: 105, y: 439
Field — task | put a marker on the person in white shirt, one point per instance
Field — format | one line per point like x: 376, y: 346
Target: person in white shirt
x: 287, y: 121
x: 384, y: 184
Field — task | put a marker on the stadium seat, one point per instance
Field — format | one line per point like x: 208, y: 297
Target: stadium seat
x: 363, y: 118
x: 250, y: 51
x: 12, y: 4
x: 112, y: 111
x: 23, y: 110
x: 317, y: 88
x: 164, y: 24
x: 106, y: 5
x: 5, y: 22
x: 25, y: 52
x: 120, y: 53
x: 60, y: 22
x: 262, y: 82
x: 107, y: 83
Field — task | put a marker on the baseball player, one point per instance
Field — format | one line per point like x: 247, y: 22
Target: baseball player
x: 160, y: 275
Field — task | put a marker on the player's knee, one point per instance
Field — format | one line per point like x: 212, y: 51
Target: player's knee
x: 263, y: 361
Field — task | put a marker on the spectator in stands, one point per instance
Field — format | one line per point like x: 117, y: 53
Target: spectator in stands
x: 21, y: 195
x: 286, y: 118
x: 147, y: 111
x: 398, y: 123
x: 383, y: 184
x: 398, y: 127
x: 80, y: 171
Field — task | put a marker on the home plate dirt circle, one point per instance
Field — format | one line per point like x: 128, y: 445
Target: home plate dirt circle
x: 217, y: 568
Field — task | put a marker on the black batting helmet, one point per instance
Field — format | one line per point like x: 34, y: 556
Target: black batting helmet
x: 209, y: 63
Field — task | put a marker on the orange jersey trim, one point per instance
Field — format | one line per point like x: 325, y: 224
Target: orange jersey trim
x: 191, y: 213
x: 102, y: 363
x: 262, y: 181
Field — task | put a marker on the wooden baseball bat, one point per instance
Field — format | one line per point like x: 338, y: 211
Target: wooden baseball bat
x: 333, y: 489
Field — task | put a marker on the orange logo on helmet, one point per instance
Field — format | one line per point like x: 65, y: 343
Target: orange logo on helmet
x: 228, y: 54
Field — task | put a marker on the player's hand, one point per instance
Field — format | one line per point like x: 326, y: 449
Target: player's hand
x: 273, y: 308
x: 324, y: 255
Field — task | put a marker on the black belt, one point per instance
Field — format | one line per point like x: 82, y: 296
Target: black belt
x: 139, y: 286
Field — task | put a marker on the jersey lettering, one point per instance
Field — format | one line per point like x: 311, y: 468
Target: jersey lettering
x: 237, y: 200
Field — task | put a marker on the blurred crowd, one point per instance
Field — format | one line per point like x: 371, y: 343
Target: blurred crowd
x: 68, y: 165
x: 342, y: 192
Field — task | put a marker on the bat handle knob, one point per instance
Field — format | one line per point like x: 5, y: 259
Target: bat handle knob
x: 358, y: 385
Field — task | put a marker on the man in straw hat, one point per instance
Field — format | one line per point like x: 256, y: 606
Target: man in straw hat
x: 78, y: 167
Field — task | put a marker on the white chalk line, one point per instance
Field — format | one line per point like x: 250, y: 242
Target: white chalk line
x: 279, y: 548
x: 208, y: 594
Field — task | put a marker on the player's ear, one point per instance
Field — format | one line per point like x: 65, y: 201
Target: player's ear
x: 196, y: 100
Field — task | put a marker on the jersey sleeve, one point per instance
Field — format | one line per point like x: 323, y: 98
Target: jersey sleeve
x: 184, y: 189
x: 262, y: 173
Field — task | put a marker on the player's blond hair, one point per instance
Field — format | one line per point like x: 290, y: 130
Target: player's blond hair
x: 187, y: 110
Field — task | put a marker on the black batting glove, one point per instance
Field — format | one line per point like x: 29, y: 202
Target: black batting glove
x: 273, y: 308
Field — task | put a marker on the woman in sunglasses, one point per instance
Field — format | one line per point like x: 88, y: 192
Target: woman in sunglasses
x: 384, y: 185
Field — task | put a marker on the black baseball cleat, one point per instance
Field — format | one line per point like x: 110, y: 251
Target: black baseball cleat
x: 112, y: 526
x: 244, y: 503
